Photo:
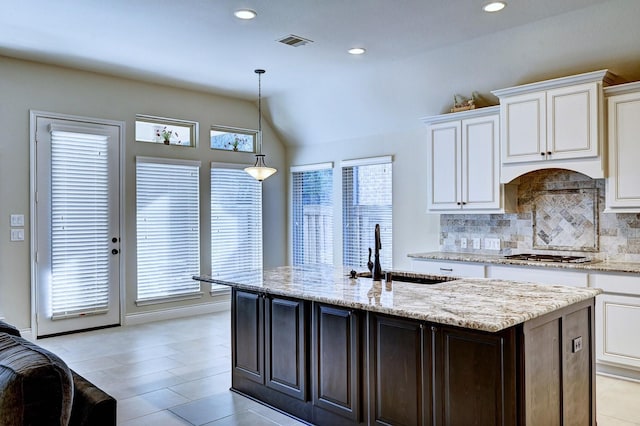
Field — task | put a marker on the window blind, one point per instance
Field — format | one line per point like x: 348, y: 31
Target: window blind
x: 366, y: 201
x: 312, y: 205
x: 168, y: 227
x: 236, y: 221
x: 80, y: 251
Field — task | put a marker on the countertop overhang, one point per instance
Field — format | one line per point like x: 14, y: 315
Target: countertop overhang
x: 475, y: 303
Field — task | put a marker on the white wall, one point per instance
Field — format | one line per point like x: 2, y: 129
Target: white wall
x: 28, y: 86
x: 413, y: 229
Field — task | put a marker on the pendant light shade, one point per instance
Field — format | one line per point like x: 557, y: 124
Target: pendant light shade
x: 259, y: 170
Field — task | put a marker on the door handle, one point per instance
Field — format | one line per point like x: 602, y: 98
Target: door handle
x: 115, y: 251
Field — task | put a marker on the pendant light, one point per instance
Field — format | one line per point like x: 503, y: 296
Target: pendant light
x: 259, y: 170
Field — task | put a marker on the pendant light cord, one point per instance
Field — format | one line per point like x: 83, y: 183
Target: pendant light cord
x: 260, y: 72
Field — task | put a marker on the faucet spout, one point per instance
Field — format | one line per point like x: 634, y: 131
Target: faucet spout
x: 377, y: 269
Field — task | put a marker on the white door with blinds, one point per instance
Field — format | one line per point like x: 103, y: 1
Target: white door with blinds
x: 76, y: 223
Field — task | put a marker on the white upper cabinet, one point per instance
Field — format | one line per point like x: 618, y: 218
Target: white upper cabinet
x: 464, y: 162
x: 553, y: 124
x: 623, y: 185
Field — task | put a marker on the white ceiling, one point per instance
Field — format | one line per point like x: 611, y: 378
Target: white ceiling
x: 199, y: 44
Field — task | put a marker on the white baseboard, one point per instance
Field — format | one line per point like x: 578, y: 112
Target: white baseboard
x: 181, y: 312
x: 27, y: 333
x: 618, y: 372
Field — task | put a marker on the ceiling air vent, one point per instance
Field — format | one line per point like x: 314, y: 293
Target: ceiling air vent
x: 294, y: 40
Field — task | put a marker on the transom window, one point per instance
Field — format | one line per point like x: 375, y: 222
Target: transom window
x: 168, y: 131
x: 233, y: 139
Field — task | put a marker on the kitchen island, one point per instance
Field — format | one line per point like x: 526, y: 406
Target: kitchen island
x: 330, y: 349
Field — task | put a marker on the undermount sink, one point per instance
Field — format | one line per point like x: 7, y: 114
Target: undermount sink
x: 410, y: 277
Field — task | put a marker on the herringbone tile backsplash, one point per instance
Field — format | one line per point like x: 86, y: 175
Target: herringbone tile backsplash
x: 558, y: 211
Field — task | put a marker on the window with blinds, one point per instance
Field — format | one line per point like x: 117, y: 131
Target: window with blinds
x: 236, y: 221
x: 312, y: 205
x: 80, y: 251
x: 366, y: 201
x: 168, y: 228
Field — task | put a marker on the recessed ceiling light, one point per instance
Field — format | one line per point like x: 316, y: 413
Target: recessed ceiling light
x: 245, y: 14
x: 357, y: 50
x: 494, y: 6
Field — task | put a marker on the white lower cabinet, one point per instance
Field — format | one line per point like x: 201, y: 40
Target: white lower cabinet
x: 617, y: 319
x: 551, y: 276
x: 453, y: 269
x: 617, y: 339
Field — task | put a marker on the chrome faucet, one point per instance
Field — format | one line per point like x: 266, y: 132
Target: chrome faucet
x: 377, y: 269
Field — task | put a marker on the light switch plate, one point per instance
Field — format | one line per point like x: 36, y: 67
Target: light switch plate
x: 463, y: 242
x: 17, y: 234
x: 17, y: 220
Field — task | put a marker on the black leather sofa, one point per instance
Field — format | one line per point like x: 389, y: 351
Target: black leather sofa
x: 38, y: 388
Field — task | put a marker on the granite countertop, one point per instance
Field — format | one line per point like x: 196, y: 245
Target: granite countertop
x: 478, y: 303
x: 597, y: 266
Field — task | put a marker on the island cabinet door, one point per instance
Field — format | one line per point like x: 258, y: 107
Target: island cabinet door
x: 399, y: 372
x: 559, y: 367
x: 248, y: 336
x: 286, y: 346
x: 475, y: 377
x: 336, y: 361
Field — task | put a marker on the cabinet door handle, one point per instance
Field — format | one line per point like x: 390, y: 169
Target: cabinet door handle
x: 447, y: 269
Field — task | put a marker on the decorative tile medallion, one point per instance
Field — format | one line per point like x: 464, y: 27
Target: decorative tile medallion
x: 566, y: 219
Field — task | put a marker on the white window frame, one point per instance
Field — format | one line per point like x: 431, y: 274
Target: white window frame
x: 302, y: 169
x: 191, y: 291
x: 387, y: 252
x: 216, y: 289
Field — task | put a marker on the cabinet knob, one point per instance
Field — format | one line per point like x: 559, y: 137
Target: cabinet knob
x: 464, y: 203
x: 543, y: 154
x: 549, y: 152
x: 458, y: 203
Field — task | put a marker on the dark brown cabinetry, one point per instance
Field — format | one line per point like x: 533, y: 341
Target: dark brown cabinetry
x: 337, y: 364
x: 475, y: 377
x: 399, y: 371
x: 286, y: 346
x: 331, y: 365
x: 247, y: 338
x: 270, y: 350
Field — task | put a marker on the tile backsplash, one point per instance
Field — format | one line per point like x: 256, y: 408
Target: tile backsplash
x: 559, y: 212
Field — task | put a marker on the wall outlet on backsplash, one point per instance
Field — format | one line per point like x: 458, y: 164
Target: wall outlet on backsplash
x: 492, y: 243
x: 463, y: 242
x: 476, y: 243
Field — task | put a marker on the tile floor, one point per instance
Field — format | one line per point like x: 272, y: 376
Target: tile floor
x: 177, y: 372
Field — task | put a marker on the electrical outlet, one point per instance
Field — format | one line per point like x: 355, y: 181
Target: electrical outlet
x: 463, y: 242
x: 576, y: 344
x: 492, y: 243
x: 17, y: 234
x: 476, y: 243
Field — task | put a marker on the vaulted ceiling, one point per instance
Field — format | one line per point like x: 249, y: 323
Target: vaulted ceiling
x: 419, y: 52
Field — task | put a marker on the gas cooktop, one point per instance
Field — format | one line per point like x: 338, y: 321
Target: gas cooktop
x: 548, y: 258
